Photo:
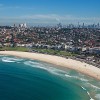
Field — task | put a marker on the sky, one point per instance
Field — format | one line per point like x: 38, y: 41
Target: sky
x: 49, y: 11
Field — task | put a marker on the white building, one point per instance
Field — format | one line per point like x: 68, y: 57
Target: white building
x: 23, y: 25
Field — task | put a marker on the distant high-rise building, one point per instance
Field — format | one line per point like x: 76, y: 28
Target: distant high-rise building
x: 19, y: 25
x: 78, y: 25
x: 14, y: 25
x: 59, y: 25
x: 23, y: 25
x: 83, y: 25
x: 98, y: 25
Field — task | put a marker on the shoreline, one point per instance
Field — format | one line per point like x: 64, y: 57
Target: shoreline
x: 79, y: 66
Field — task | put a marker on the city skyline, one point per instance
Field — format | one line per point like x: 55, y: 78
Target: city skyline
x: 49, y: 11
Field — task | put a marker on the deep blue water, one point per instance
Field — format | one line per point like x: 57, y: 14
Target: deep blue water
x: 23, y: 79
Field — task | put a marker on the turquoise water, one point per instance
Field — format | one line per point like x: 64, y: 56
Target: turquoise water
x: 24, y: 79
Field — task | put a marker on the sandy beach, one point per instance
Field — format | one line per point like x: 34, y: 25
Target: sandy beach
x: 82, y: 67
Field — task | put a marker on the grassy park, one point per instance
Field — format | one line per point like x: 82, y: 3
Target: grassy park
x: 40, y: 50
x: 24, y: 49
x: 55, y: 52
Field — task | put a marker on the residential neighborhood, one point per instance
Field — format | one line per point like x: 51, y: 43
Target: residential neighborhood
x: 79, y: 40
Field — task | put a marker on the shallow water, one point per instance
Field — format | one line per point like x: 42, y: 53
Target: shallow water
x: 24, y: 79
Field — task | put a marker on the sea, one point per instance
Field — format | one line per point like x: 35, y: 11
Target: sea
x: 25, y: 79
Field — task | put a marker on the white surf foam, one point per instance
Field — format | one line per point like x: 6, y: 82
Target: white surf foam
x: 83, y: 88
x: 87, y: 93
x: 76, y: 77
x: 91, y: 99
x: 89, y: 96
x: 57, y: 72
x: 45, y: 67
x: 9, y: 59
x: 53, y: 70
x: 97, y: 96
x: 34, y: 64
x: 93, y: 86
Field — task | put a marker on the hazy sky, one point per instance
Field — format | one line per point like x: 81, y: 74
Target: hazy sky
x: 49, y: 11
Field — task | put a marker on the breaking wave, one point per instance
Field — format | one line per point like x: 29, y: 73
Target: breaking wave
x: 45, y: 67
x: 93, y: 86
x: 98, y: 96
x: 9, y: 59
x: 76, y: 77
x: 87, y: 92
x: 65, y: 74
x: 53, y: 70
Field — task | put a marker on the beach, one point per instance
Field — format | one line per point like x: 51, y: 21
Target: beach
x: 79, y: 66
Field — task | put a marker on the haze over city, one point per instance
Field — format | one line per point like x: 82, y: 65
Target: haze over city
x: 49, y: 49
x: 49, y: 12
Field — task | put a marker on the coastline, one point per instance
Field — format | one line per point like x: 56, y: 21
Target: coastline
x: 79, y: 66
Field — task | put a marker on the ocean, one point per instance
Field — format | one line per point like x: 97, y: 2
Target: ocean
x: 25, y: 79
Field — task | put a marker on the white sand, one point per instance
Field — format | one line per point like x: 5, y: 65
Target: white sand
x: 60, y: 61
